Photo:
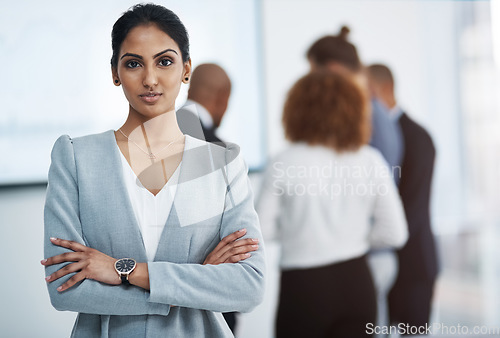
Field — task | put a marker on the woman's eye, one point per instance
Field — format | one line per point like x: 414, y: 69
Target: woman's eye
x: 165, y: 62
x: 133, y: 64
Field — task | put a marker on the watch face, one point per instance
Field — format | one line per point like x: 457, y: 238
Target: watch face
x: 125, y: 265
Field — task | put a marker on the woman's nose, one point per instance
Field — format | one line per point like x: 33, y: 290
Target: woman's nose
x: 150, y: 78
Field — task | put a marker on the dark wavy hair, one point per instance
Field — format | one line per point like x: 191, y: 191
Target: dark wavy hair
x: 335, y: 48
x: 327, y: 108
x: 145, y: 14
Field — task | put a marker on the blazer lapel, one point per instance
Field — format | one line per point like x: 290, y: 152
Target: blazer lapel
x: 196, y: 169
x: 135, y: 247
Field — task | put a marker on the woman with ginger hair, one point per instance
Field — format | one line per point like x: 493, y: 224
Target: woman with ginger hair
x: 328, y: 198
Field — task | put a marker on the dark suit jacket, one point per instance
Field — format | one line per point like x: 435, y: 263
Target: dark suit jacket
x: 417, y: 259
x: 190, y: 124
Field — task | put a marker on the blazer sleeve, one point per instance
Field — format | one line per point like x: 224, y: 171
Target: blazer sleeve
x: 389, y: 222
x: 61, y: 219
x: 224, y: 287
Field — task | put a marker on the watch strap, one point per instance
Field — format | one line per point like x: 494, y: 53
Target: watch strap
x: 125, y: 279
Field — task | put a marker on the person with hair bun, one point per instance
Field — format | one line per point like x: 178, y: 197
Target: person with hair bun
x: 336, y: 54
x: 150, y: 232
x: 328, y: 199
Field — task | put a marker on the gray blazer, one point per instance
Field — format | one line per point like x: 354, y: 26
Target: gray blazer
x: 87, y: 202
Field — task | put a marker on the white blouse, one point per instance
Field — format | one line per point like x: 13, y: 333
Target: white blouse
x: 151, y: 211
x: 326, y: 207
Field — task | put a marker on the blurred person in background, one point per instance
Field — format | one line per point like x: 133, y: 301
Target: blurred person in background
x: 208, y: 97
x: 201, y: 115
x: 328, y: 198
x: 334, y: 53
x: 410, y: 298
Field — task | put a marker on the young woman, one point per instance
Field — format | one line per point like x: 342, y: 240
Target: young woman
x: 139, y: 220
x: 335, y: 53
x: 328, y: 198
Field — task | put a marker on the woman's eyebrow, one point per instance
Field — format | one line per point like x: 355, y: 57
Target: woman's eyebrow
x: 163, y: 52
x: 154, y: 56
x: 131, y: 54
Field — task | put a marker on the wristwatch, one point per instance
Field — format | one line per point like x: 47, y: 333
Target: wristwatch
x: 124, y: 267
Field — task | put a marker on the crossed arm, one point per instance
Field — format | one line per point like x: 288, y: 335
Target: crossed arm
x: 92, y: 284
x: 90, y: 263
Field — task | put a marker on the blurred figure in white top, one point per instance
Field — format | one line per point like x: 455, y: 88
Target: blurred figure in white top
x: 328, y: 199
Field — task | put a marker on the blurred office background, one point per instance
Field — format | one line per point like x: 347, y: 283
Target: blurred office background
x: 55, y: 79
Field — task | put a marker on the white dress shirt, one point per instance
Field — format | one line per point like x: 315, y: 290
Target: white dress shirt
x: 206, y: 119
x: 326, y: 207
x: 151, y: 212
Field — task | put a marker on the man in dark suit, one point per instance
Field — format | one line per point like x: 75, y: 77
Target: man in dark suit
x: 202, y: 114
x: 208, y: 96
x: 411, y: 295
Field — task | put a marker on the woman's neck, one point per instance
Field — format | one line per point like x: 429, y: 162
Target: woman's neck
x: 159, y: 129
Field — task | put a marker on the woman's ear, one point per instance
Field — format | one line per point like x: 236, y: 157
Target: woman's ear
x: 186, y: 75
x: 114, y: 74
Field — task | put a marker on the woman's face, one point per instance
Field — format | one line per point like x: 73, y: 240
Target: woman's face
x: 151, y: 70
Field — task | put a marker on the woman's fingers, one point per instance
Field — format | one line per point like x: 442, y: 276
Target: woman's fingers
x: 235, y: 254
x: 234, y: 236
x: 71, y: 282
x: 232, y: 249
x: 73, y: 267
x: 243, y: 242
x: 88, y: 263
x: 65, y: 257
x: 237, y: 258
x: 72, y: 245
x: 218, y: 256
x: 223, y: 252
x: 229, y: 239
x: 219, y: 249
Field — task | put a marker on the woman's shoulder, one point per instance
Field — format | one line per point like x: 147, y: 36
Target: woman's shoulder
x: 373, y: 155
x: 291, y: 150
x: 93, y: 145
x: 303, y: 152
x: 97, y: 138
x: 85, y: 139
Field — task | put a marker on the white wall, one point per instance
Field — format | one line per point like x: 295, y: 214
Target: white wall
x: 25, y: 309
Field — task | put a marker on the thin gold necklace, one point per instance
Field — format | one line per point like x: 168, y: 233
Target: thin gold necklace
x: 150, y: 153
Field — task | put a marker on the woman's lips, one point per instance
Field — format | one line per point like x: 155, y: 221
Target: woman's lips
x: 150, y: 97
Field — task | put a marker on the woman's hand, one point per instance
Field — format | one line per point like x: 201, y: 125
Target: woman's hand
x: 90, y: 263
x: 232, y: 250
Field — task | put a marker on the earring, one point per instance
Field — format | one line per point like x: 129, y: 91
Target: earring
x: 116, y: 81
x: 186, y: 78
